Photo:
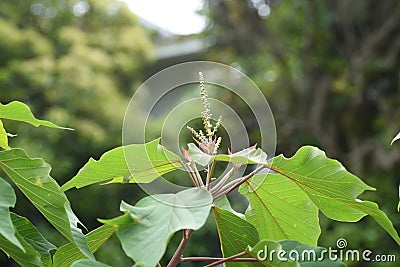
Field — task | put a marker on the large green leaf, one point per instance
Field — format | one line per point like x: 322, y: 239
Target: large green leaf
x: 330, y: 186
x: 288, y: 253
x: 235, y: 235
x: 246, y: 156
x: 3, y: 137
x: 145, y: 229
x: 69, y: 253
x: 7, y: 201
x: 136, y: 163
x: 18, y: 111
x: 32, y: 177
x: 279, y: 209
x: 36, y: 247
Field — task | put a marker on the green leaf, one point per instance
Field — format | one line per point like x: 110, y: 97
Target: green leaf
x: 145, y: 229
x: 245, y: 156
x: 288, y: 253
x: 18, y: 111
x: 306, y: 254
x: 3, y: 137
x: 7, y: 201
x: 69, y: 253
x: 235, y: 235
x: 37, y: 248
x: 136, y: 163
x: 279, y: 209
x: 397, y: 137
x: 199, y: 156
x: 249, y: 155
x: 223, y: 203
x: 32, y: 177
x: 331, y: 187
x: 88, y: 263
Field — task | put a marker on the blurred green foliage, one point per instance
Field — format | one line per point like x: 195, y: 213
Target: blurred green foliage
x: 75, y: 63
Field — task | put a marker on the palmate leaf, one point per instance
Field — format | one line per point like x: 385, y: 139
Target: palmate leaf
x: 18, y: 111
x: 235, y: 235
x: 136, y: 163
x: 7, y: 201
x: 145, y: 229
x: 279, y: 209
x: 330, y: 187
x: 32, y: 177
x: 69, y: 253
x: 291, y: 254
x: 36, y: 247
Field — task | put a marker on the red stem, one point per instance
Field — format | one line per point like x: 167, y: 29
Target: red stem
x: 217, y: 259
x: 178, y: 253
x: 226, y: 259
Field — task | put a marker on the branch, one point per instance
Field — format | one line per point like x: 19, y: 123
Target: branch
x: 210, y: 171
x: 187, y: 233
x: 217, y: 259
x: 240, y: 182
x: 226, y: 259
x: 196, y: 173
x: 189, y: 174
x: 223, y: 180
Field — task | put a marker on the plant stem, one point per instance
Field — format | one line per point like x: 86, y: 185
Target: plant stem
x: 176, y: 258
x: 227, y: 186
x: 199, y: 181
x: 223, y: 180
x: 209, y: 174
x: 217, y: 259
x: 226, y: 259
x: 239, y: 183
x: 190, y: 174
x: 197, y: 174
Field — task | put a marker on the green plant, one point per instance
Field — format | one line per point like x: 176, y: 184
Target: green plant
x: 282, y: 215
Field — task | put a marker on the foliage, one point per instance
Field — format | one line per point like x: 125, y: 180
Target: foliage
x: 72, y: 68
x: 282, y: 215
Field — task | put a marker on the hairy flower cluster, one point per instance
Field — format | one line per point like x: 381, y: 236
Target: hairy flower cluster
x: 207, y: 141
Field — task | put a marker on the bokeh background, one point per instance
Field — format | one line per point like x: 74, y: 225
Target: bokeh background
x: 329, y: 69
